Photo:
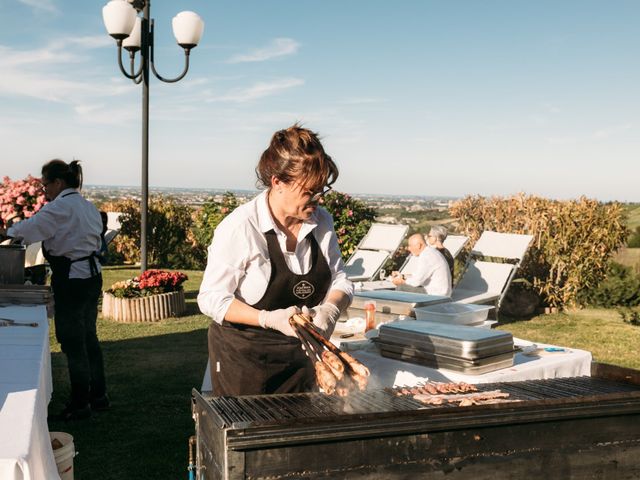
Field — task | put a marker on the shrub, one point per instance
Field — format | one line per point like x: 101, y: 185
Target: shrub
x: 20, y: 199
x: 620, y: 288
x: 630, y: 316
x: 352, y: 219
x: 205, y: 222
x: 573, y: 240
x: 168, y: 228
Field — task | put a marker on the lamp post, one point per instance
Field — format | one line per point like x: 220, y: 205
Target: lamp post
x: 135, y: 33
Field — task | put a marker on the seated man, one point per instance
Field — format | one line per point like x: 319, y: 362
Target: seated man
x: 432, y: 275
x: 435, y: 239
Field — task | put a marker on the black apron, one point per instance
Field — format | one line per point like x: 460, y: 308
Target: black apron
x: 248, y: 360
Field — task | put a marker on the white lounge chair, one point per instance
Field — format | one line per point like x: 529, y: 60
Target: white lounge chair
x: 485, y: 281
x: 482, y: 282
x: 378, y: 245
x: 455, y: 244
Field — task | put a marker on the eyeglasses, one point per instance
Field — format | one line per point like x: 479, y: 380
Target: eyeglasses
x: 318, y: 195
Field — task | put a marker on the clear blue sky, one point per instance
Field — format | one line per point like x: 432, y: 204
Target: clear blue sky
x: 423, y: 97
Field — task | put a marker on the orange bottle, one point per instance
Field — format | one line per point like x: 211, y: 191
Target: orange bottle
x: 370, y: 316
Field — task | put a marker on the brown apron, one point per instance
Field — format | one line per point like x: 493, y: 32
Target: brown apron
x: 248, y: 360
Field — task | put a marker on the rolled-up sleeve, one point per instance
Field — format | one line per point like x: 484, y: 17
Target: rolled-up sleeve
x: 223, y: 272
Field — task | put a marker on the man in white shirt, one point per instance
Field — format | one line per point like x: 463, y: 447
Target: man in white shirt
x: 432, y: 275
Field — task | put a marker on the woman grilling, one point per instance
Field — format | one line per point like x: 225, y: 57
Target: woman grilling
x: 69, y: 227
x: 270, y: 258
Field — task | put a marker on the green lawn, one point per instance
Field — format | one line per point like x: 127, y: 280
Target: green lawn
x: 600, y: 331
x: 151, y: 369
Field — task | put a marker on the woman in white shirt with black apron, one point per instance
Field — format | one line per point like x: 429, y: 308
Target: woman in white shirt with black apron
x: 70, y: 227
x: 270, y: 258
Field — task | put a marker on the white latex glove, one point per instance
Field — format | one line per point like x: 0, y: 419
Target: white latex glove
x: 324, y: 317
x: 278, y: 320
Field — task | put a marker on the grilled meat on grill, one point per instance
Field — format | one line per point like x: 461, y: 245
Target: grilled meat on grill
x: 463, y: 399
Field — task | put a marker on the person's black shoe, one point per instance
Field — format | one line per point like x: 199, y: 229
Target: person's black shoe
x: 73, y: 412
x: 101, y: 404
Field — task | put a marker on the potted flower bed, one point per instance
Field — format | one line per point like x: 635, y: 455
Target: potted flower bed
x: 152, y: 296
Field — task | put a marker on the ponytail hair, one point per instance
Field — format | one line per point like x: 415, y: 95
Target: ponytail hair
x: 70, y: 173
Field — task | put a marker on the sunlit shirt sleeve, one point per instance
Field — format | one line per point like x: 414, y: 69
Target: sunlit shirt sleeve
x: 225, y: 270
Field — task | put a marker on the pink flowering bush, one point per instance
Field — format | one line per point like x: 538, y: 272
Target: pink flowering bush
x: 20, y: 199
x: 151, y: 282
x: 352, y: 219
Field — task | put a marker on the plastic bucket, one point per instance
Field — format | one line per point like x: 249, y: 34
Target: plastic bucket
x: 64, y: 455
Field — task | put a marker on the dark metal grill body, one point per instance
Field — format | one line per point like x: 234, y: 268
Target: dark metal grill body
x: 582, y: 427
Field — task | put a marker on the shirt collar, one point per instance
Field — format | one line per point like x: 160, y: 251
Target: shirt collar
x: 65, y: 191
x: 264, y: 216
x: 266, y: 223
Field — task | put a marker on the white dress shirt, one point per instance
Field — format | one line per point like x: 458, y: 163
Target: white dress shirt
x: 432, y: 273
x: 69, y: 226
x: 238, y: 263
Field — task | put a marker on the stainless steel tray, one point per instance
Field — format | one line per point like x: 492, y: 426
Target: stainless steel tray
x: 399, y: 303
x: 451, y: 340
x: 466, y: 369
x: 25, y: 295
x: 436, y: 357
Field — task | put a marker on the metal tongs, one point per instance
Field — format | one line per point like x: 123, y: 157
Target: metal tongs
x: 7, y: 322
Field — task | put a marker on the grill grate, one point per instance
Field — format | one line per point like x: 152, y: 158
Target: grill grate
x: 273, y: 409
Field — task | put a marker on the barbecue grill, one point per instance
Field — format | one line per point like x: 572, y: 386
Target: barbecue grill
x: 578, y: 427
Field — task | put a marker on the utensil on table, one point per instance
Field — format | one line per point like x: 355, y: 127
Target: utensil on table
x: 7, y: 322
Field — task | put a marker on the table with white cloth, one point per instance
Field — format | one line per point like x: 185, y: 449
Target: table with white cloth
x: 388, y: 372
x: 25, y: 391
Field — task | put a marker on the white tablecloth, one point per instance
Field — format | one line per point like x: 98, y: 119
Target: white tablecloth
x: 25, y: 391
x: 387, y: 372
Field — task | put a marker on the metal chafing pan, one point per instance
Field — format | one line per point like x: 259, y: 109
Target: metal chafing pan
x: 390, y: 304
x: 450, y: 340
x: 433, y: 360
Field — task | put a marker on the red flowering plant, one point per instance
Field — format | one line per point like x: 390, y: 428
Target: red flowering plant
x: 20, y: 199
x: 151, y: 282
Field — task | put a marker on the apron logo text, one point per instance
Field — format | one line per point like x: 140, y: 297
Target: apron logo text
x: 303, y: 289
